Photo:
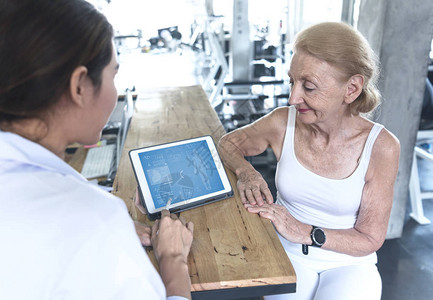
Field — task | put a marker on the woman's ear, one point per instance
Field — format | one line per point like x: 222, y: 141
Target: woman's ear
x: 78, y: 85
x: 354, y: 88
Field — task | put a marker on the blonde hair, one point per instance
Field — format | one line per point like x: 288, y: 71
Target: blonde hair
x: 345, y: 48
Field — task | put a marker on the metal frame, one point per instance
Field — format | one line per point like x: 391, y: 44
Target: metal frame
x: 220, y: 64
x: 242, y: 292
x: 416, y: 196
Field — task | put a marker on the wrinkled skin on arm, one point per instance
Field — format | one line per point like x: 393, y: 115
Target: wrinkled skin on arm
x: 252, y: 140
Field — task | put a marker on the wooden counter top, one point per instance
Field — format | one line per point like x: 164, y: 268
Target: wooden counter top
x: 232, y: 248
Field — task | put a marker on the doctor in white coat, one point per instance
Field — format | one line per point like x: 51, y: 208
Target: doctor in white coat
x: 61, y: 237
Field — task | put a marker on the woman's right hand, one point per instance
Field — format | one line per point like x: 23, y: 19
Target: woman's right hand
x: 171, y: 236
x: 253, y: 189
x: 171, y: 240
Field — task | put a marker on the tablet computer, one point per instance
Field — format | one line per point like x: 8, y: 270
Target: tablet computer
x: 179, y: 175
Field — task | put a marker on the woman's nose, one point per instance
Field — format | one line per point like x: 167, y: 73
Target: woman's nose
x: 295, y: 95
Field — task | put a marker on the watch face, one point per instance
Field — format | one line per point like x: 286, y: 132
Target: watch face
x: 319, y: 236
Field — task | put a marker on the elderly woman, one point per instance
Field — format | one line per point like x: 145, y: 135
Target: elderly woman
x: 336, y: 169
x: 62, y: 237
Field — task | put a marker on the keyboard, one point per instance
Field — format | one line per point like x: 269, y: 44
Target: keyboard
x: 98, y: 161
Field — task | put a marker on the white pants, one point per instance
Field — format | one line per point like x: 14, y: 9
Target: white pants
x: 341, y: 283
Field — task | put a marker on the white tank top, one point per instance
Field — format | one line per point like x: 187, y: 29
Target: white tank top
x: 316, y: 200
x: 324, y: 202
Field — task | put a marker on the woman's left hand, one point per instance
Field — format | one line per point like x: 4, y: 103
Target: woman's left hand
x: 284, y: 222
x: 144, y: 233
x: 137, y: 202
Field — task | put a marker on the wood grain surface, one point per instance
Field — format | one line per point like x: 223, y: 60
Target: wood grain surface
x: 231, y: 248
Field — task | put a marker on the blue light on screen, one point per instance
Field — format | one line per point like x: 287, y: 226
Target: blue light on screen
x: 181, y: 172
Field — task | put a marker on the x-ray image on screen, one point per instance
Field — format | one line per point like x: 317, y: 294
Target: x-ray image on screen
x: 180, y: 173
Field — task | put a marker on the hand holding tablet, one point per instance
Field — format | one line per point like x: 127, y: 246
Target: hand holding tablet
x: 183, y: 174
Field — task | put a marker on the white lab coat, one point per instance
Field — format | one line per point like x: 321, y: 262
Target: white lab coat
x: 62, y: 237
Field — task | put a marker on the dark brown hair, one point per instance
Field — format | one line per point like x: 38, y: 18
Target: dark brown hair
x: 42, y: 43
x: 346, y: 49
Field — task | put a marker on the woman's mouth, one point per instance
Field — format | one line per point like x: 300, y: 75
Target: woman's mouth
x: 303, y: 110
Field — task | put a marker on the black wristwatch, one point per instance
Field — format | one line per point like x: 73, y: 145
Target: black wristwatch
x: 318, y: 237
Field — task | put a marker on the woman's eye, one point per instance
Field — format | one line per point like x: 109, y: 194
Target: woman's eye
x: 308, y: 87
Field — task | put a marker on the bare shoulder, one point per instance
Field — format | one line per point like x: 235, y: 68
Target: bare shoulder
x: 387, y: 144
x: 276, y: 130
x: 272, y: 122
x: 386, y: 151
x: 275, y: 122
x: 256, y: 137
x: 278, y: 117
x: 280, y: 112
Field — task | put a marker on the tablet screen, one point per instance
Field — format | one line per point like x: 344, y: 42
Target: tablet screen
x: 183, y: 174
x: 179, y: 173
